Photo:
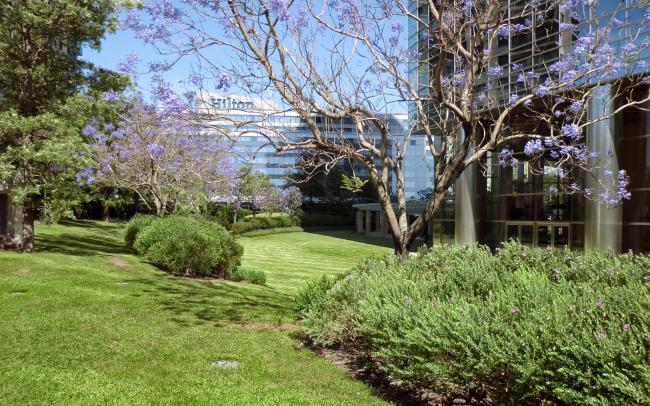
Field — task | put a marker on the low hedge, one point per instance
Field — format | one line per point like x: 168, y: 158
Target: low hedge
x: 264, y: 222
x: 189, y: 246
x: 524, y: 326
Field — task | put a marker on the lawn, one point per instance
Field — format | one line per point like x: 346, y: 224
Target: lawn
x: 86, y: 322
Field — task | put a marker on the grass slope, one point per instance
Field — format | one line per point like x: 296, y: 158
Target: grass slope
x: 86, y: 322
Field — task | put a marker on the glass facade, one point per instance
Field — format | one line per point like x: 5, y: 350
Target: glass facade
x: 526, y: 202
x: 250, y: 143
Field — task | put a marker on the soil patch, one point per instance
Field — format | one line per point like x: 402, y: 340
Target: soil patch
x: 119, y: 262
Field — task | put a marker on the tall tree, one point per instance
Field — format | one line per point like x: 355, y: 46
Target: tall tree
x: 40, y: 69
x: 350, y: 60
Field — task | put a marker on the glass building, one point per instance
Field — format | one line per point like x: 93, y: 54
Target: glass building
x: 526, y: 201
x: 249, y: 121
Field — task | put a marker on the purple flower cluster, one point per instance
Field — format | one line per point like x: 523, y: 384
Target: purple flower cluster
x: 533, y: 147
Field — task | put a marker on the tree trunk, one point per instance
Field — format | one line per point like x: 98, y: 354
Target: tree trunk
x: 401, y: 244
x: 27, y: 232
x: 106, y: 214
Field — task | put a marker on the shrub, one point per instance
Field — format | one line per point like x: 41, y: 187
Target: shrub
x: 246, y: 274
x: 524, y: 326
x: 263, y: 222
x: 189, y: 246
x: 134, y: 226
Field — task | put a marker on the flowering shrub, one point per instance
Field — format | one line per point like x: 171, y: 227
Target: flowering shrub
x: 523, y: 326
x: 189, y: 246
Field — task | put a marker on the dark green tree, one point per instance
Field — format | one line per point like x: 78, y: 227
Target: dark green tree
x: 40, y: 72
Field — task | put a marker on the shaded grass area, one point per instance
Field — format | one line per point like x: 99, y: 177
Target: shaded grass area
x: 86, y: 322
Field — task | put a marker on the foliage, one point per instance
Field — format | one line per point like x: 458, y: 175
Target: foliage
x: 313, y: 293
x: 170, y: 164
x: 264, y: 222
x: 225, y: 214
x: 523, y: 326
x: 40, y: 73
x: 188, y: 246
x: 469, y: 104
x: 135, y: 226
x: 253, y: 276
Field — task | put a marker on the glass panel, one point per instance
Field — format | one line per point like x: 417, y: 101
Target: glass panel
x: 448, y: 229
x: 513, y: 232
x: 527, y: 234
x: 577, y: 236
x: 544, y: 235
x: 561, y: 236
x: 436, y: 232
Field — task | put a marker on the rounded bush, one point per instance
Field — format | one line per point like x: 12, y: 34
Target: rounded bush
x: 134, y: 226
x: 524, y: 326
x: 189, y: 246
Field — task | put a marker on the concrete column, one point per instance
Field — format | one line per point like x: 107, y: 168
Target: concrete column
x: 465, y: 204
x: 368, y: 215
x: 602, y: 224
x: 383, y: 224
x: 360, y: 220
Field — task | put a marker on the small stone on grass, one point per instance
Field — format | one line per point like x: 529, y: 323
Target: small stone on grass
x: 226, y: 363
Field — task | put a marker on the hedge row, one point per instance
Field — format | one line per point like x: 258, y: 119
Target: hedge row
x: 263, y: 222
x: 524, y: 326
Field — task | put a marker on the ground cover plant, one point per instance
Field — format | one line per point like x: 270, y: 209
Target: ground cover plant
x: 523, y: 326
x: 85, y: 321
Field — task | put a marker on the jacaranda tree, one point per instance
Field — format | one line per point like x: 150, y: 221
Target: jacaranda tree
x: 155, y: 152
x: 352, y: 60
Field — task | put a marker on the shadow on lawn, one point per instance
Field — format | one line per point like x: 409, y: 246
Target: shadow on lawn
x: 73, y: 244
x: 218, y: 302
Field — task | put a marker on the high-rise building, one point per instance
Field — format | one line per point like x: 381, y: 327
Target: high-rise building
x: 526, y: 201
x: 249, y: 121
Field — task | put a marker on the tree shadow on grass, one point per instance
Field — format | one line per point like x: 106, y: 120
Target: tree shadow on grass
x: 73, y: 244
x: 218, y: 302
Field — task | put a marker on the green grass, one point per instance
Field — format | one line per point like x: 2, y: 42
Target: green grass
x: 86, y: 322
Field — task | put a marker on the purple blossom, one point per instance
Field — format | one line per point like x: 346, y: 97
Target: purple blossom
x: 514, y: 310
x: 129, y: 64
x: 111, y: 96
x: 542, y: 90
x: 626, y: 328
x: 155, y: 150
x: 222, y: 81
x: 495, y: 71
x: 506, y: 157
x: 600, y: 303
x: 571, y: 131
x: 513, y: 99
x: 279, y: 8
x: 533, y: 147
